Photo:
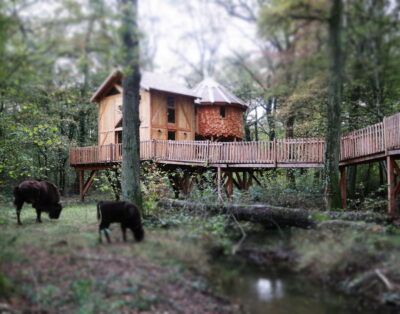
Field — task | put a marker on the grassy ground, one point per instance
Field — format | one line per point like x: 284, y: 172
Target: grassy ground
x: 59, y: 266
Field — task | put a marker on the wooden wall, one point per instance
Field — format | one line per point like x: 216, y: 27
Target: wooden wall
x: 184, y: 125
x: 152, y: 114
x: 211, y: 124
x: 109, y: 114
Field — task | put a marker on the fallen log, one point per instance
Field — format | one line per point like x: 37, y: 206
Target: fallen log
x: 273, y: 215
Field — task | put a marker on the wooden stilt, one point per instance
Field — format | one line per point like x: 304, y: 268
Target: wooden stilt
x: 343, y: 187
x: 245, y: 183
x: 229, y: 184
x: 88, y: 184
x: 239, y: 181
x: 249, y: 180
x: 187, y: 183
x: 236, y: 182
x: 81, y: 184
x: 219, y: 179
x: 255, y: 178
x: 391, y: 186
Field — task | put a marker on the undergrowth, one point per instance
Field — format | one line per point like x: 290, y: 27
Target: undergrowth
x: 363, y: 261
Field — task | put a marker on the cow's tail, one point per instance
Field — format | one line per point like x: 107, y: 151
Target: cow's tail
x: 99, y: 211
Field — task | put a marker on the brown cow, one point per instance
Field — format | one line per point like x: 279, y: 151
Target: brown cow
x: 127, y: 214
x: 43, y: 196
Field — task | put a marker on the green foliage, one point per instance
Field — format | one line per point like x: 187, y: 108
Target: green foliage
x: 6, y: 287
x: 205, y: 191
x: 276, y: 190
x: 155, y: 185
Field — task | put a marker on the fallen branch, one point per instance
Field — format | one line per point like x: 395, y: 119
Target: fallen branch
x: 384, y: 279
x: 244, y: 235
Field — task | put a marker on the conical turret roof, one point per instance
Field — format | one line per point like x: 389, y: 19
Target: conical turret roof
x: 211, y: 92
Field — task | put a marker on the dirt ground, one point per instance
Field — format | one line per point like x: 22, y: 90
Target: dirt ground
x: 59, y: 266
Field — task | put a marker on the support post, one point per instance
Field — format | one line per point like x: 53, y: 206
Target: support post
x: 81, y: 183
x: 88, y: 183
x: 219, y: 179
x: 187, y: 183
x: 229, y: 184
x: 343, y: 187
x: 391, y: 186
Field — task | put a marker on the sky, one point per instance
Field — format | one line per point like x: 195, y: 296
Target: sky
x: 181, y: 34
x: 169, y: 24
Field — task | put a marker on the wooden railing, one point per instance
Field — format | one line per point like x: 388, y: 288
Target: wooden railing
x: 366, y: 141
x: 308, y: 150
x: 392, y: 131
x: 370, y: 140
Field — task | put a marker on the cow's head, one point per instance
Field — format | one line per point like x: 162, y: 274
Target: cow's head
x: 55, y: 211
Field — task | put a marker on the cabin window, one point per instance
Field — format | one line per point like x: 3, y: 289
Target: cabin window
x: 171, y: 115
x: 222, y: 112
x: 170, y: 101
x: 118, y: 137
x: 171, y: 135
x: 171, y: 109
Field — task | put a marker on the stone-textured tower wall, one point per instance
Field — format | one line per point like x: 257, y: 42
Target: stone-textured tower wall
x: 212, y: 124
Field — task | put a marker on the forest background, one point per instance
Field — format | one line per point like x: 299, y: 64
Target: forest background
x: 273, y: 54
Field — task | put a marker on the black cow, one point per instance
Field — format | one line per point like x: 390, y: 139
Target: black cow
x: 127, y: 214
x: 43, y: 196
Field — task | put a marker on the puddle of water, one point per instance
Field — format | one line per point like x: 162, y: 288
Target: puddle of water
x: 280, y: 292
x: 264, y: 292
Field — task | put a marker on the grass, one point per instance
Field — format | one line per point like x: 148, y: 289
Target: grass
x: 59, y: 266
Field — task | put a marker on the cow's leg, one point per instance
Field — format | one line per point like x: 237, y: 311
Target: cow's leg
x: 18, y: 206
x: 107, y: 235
x: 38, y: 215
x: 104, y: 227
x: 100, y: 238
x: 123, y: 228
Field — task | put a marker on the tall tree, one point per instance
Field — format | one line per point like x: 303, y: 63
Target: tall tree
x: 332, y: 146
x: 131, y: 98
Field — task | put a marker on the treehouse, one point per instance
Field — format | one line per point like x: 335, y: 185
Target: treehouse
x: 166, y: 110
x: 219, y: 113
x: 170, y: 111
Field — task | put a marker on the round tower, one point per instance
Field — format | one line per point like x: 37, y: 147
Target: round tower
x: 219, y: 113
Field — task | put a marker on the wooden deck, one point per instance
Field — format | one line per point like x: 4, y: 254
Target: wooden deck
x: 380, y: 141
x: 370, y: 143
x: 278, y: 153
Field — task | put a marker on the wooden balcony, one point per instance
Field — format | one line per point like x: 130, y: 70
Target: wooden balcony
x: 278, y: 153
x: 370, y: 143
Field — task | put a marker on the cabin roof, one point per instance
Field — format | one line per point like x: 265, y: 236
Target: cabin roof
x: 211, y: 92
x: 149, y: 81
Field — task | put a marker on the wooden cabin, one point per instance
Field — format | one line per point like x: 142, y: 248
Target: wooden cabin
x: 166, y: 110
x: 171, y: 111
x: 219, y: 113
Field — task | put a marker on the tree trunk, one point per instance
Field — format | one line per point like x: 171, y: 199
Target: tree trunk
x: 273, y: 215
x: 289, y: 133
x: 256, y: 126
x: 130, y: 103
x: 332, y: 148
x: 270, y: 118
